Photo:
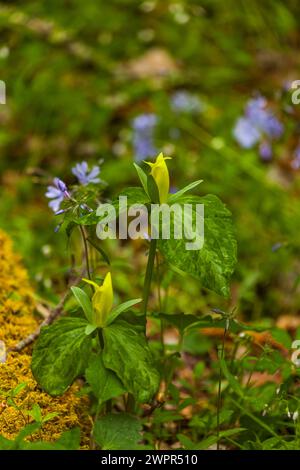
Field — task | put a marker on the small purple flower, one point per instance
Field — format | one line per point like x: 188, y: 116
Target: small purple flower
x: 85, y: 175
x: 272, y: 127
x: 265, y: 151
x: 183, y: 101
x: 295, y: 163
x: 258, y: 121
x: 57, y: 193
x: 143, y: 136
x: 245, y: 133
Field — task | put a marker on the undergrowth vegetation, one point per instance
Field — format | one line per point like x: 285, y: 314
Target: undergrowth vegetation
x: 149, y: 342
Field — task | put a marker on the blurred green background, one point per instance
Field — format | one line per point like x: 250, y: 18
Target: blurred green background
x: 78, y: 73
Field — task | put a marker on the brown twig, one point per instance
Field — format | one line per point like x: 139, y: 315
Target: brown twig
x: 56, y: 312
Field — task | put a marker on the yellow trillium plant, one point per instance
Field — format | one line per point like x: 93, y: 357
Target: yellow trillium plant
x: 100, y: 311
x: 160, y: 173
x: 102, y: 300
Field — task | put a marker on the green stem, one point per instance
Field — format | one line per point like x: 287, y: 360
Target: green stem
x: 221, y: 357
x: 86, y: 252
x: 160, y: 306
x: 149, y: 274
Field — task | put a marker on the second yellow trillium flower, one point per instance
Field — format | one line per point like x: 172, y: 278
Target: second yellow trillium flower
x: 102, y: 300
x: 160, y: 173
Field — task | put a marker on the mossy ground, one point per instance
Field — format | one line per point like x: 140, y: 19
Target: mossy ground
x: 17, y: 320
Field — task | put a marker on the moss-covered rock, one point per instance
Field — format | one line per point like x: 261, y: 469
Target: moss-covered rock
x: 17, y: 320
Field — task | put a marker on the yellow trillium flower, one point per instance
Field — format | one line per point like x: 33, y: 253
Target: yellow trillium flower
x: 160, y: 173
x: 102, y: 300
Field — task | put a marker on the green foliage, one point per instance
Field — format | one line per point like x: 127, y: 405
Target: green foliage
x: 69, y: 440
x: 85, y: 90
x: 214, y: 263
x: 127, y: 353
x: 60, y: 354
x: 117, y: 432
x: 104, y: 382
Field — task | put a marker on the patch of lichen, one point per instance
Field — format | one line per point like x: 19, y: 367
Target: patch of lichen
x: 17, y: 320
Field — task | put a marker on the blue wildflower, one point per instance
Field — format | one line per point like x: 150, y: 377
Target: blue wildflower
x: 245, y: 133
x: 262, y: 118
x: 143, y: 136
x: 295, y: 163
x: 57, y: 193
x: 85, y: 175
x: 183, y: 101
x: 265, y: 151
x: 257, y: 122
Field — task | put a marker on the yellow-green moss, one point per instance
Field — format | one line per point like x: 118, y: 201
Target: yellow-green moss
x: 17, y: 320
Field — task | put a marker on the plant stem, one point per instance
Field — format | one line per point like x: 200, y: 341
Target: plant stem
x: 160, y: 306
x: 148, y: 275
x: 86, y: 252
x: 221, y: 357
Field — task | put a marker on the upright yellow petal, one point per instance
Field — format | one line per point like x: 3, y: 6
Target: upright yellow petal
x: 102, y: 300
x: 160, y: 173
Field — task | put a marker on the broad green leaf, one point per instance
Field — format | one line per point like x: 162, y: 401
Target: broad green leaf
x: 84, y: 301
x: 117, y: 432
x: 103, y: 382
x: 142, y: 176
x: 70, y: 440
x: 214, y: 263
x: 174, y: 197
x: 127, y: 353
x: 120, y: 309
x: 61, y: 354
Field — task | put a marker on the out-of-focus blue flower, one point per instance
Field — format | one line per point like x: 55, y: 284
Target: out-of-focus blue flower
x: 258, y: 122
x: 245, y: 133
x: 265, y: 151
x: 272, y: 127
x: 143, y: 136
x: 57, y: 193
x: 85, y: 175
x: 184, y: 101
x: 295, y: 163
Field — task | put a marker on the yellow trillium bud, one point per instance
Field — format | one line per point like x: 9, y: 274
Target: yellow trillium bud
x: 160, y: 173
x: 102, y: 300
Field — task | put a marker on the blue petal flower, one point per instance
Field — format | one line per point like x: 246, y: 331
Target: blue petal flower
x: 245, y: 133
x: 265, y: 151
x: 183, y: 101
x: 85, y: 175
x: 143, y: 136
x: 57, y: 193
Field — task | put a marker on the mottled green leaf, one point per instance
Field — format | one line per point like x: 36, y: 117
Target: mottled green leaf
x: 117, y: 432
x: 104, y: 382
x: 127, y: 353
x: 60, y: 354
x: 214, y: 263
